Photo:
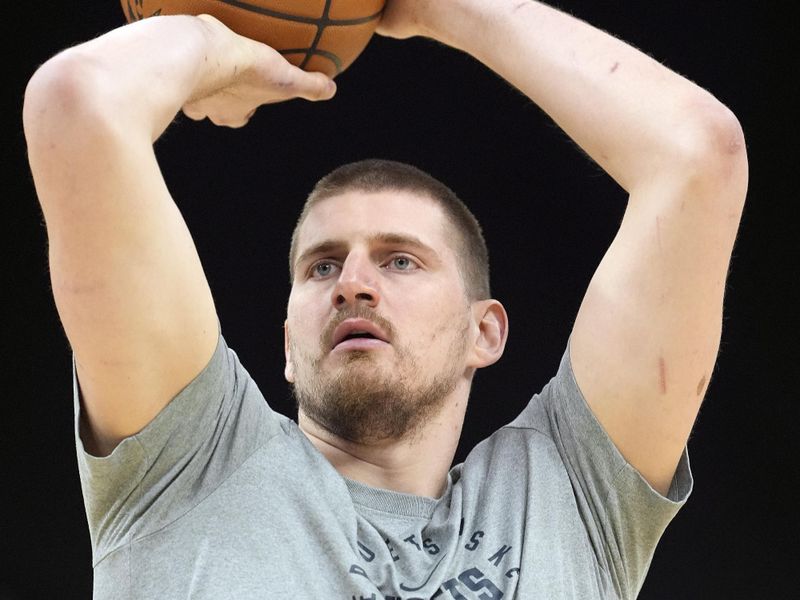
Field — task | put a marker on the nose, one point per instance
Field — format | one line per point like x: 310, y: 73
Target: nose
x: 357, y: 283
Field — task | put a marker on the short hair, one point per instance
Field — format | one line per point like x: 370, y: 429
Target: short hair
x: 374, y: 175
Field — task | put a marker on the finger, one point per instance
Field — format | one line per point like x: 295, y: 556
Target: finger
x: 308, y: 85
x: 234, y: 122
x: 193, y: 112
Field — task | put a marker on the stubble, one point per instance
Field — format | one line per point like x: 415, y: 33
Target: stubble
x: 365, y: 400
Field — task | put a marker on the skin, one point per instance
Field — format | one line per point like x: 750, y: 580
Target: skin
x: 126, y: 278
x: 405, y: 273
x: 647, y: 334
x: 135, y: 303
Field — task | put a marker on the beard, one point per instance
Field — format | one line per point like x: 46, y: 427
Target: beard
x: 366, y: 400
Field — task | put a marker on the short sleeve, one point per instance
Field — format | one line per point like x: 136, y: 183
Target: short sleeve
x: 623, y: 515
x: 199, y: 438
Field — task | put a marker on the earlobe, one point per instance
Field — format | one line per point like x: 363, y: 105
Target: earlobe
x: 492, y: 324
x: 288, y: 371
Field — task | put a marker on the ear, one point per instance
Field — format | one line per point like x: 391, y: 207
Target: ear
x: 490, y: 329
x: 288, y: 371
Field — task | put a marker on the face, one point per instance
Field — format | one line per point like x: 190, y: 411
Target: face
x: 378, y: 321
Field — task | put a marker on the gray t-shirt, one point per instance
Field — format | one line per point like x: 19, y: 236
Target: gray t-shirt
x: 221, y: 497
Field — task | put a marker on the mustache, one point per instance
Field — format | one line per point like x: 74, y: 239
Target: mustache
x: 359, y: 311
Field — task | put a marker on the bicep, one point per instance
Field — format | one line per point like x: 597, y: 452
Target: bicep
x: 126, y: 278
x: 647, y: 334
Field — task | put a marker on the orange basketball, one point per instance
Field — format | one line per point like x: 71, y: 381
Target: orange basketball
x: 315, y: 35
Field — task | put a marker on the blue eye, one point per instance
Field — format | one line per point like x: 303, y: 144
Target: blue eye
x: 322, y: 269
x: 403, y: 263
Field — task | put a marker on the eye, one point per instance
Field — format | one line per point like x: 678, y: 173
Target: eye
x: 401, y: 262
x: 322, y: 269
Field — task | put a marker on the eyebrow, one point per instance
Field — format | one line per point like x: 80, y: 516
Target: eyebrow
x: 386, y: 239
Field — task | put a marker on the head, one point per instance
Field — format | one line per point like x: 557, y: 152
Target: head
x: 463, y: 229
x: 390, y: 311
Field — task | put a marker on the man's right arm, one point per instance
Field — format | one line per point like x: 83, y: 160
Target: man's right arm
x: 126, y: 278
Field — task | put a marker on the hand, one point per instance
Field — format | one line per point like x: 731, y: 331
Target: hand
x: 248, y: 75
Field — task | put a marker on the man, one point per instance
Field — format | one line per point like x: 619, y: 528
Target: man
x: 195, y: 488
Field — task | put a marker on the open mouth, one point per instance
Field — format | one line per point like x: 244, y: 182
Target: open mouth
x: 358, y: 334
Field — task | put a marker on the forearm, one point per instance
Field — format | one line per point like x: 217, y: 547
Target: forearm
x: 636, y: 118
x: 126, y: 277
x: 138, y: 77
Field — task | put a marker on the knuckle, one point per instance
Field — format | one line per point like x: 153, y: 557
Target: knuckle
x: 282, y: 82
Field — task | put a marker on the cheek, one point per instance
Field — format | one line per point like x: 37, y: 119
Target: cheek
x: 304, y: 335
x: 305, y: 324
x: 444, y: 326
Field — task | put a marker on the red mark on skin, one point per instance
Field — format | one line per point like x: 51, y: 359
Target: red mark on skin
x: 662, y: 374
x: 614, y: 68
x: 701, y: 385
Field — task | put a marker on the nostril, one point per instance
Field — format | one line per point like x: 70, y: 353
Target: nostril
x: 340, y: 299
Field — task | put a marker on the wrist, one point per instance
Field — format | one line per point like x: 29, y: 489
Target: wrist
x: 454, y: 22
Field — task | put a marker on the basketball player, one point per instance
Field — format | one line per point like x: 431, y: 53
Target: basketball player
x: 194, y: 488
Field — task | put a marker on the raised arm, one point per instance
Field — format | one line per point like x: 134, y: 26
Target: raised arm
x: 127, y: 281
x: 647, y: 334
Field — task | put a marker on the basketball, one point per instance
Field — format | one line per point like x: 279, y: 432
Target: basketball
x: 315, y: 35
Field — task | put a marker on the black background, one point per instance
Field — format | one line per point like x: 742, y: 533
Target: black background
x: 548, y: 214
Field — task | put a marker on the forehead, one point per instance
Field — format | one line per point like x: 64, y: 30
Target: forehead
x: 357, y: 215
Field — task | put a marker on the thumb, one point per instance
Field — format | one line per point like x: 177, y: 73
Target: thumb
x: 312, y: 85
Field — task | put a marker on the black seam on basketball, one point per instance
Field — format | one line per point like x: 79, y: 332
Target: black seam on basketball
x: 334, y: 58
x: 300, y: 19
x: 320, y: 28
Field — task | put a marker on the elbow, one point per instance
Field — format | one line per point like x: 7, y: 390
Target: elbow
x: 721, y: 139
x: 68, y: 126
x: 712, y: 151
x: 61, y: 92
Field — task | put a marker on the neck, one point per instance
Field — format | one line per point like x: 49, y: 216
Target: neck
x: 416, y: 465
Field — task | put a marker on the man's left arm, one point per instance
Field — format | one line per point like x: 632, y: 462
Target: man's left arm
x: 646, y: 337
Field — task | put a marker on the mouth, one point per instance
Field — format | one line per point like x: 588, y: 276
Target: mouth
x: 358, y: 334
